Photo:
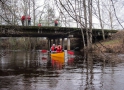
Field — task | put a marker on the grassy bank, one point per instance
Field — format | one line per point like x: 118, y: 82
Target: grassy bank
x: 115, y: 44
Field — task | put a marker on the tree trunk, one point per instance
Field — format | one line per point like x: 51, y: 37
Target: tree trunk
x: 103, y: 35
x: 85, y: 20
x: 34, y: 12
x: 81, y: 25
x: 90, y: 21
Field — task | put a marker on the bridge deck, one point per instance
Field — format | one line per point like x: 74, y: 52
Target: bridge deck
x: 45, y: 31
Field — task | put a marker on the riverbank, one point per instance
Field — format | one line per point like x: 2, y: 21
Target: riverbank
x: 115, y: 44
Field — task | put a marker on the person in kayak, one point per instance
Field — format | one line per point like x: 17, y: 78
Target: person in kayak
x: 53, y: 47
x: 59, y: 48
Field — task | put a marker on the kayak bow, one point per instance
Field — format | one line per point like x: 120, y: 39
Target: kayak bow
x: 59, y: 54
x: 58, y: 57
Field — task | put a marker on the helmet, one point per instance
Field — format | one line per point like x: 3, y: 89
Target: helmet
x: 53, y: 44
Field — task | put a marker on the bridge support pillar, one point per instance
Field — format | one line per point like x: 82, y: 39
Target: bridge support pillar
x: 49, y: 43
x: 54, y: 41
x: 68, y: 43
x: 58, y: 41
x: 63, y: 43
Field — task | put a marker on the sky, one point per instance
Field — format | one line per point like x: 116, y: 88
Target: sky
x: 119, y: 11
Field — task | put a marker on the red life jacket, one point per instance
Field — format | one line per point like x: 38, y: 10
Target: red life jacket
x: 29, y: 18
x: 53, y: 48
x: 39, y: 25
x: 23, y: 18
x: 59, y: 48
x: 56, y: 22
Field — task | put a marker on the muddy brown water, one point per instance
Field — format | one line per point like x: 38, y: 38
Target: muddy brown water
x: 35, y: 70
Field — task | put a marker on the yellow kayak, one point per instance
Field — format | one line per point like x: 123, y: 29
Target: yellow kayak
x: 59, y: 57
x: 59, y: 54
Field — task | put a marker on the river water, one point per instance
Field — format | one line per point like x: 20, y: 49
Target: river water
x: 20, y: 70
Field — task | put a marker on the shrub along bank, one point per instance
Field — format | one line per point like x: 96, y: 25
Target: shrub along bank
x: 115, y: 44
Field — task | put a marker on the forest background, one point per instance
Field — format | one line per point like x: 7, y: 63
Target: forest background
x: 88, y: 14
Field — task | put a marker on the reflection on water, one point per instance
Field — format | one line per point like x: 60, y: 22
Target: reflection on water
x: 36, y: 70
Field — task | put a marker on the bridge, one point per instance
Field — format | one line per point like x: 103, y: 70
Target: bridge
x: 49, y: 32
x: 45, y: 31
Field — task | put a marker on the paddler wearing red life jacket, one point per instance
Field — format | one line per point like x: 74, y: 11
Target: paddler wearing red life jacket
x: 59, y: 48
x: 53, y: 47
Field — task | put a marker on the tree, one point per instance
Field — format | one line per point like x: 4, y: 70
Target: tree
x: 100, y: 19
x: 79, y: 13
x: 49, y: 13
x: 50, y: 16
x: 9, y: 14
x: 90, y: 21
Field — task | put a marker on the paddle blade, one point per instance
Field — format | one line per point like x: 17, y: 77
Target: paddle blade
x: 44, y: 51
x: 71, y: 52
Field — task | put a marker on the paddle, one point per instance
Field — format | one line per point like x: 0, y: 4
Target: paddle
x: 70, y: 52
x: 43, y: 51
